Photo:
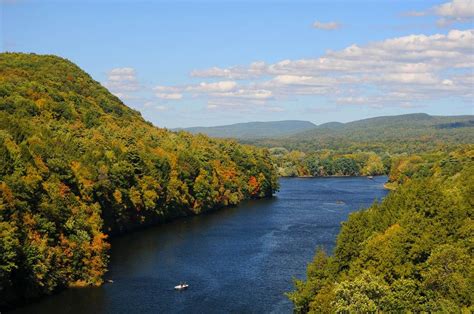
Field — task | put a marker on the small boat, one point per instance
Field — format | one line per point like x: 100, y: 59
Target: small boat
x: 370, y: 177
x: 110, y: 281
x: 339, y: 202
x: 181, y: 286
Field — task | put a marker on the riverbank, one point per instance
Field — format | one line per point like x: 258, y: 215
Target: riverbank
x: 240, y: 259
x: 337, y: 176
x: 392, y: 186
x: 183, y: 215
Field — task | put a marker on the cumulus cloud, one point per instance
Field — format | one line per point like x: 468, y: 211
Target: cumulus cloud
x: 328, y: 26
x: 122, y: 74
x: 151, y: 104
x: 168, y: 92
x: 169, y: 96
x: 122, y: 82
x: 453, y: 11
x: 396, y: 71
x: 256, y: 94
x: 222, y: 86
x: 176, y: 92
x: 255, y: 69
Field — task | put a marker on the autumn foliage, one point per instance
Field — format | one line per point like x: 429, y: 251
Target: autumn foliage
x: 411, y: 253
x: 76, y: 165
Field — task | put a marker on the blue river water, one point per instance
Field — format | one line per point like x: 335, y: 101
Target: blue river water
x: 236, y: 260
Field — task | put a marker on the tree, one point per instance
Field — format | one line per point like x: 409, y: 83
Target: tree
x: 76, y: 163
x: 364, y: 294
x: 449, y: 274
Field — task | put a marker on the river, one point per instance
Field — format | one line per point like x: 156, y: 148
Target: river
x: 236, y: 260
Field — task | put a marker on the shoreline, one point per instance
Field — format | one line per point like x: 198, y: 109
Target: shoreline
x: 335, y: 176
x: 182, y: 215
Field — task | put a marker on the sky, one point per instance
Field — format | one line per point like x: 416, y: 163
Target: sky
x: 205, y: 63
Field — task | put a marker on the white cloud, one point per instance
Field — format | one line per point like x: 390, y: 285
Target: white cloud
x: 256, y: 94
x: 122, y: 74
x: 328, y: 26
x: 151, y: 104
x: 453, y: 11
x: 169, y: 96
x: 177, y: 92
x: 410, y: 78
x: 457, y: 9
x: 255, y: 69
x: 166, y: 89
x: 122, y: 82
x: 123, y: 96
x: 168, y: 92
x: 394, y: 71
x: 222, y: 86
x: 413, y: 53
x: 353, y: 100
x: 293, y: 79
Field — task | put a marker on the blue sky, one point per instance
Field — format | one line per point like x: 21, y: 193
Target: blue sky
x: 217, y: 62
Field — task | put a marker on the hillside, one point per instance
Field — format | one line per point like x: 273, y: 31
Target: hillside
x: 255, y: 130
x: 78, y: 165
x: 412, y: 252
x: 396, y: 134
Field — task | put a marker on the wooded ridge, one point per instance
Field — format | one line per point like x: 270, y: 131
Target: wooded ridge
x: 76, y: 165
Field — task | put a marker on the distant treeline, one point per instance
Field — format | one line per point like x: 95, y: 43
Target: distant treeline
x: 413, y: 252
x: 76, y: 165
x: 329, y: 163
x: 403, y: 134
x: 366, y: 147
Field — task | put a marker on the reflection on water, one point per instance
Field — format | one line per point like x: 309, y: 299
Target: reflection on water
x: 235, y: 260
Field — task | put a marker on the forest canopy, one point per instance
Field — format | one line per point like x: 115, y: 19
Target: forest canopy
x: 329, y: 163
x: 413, y: 252
x: 78, y: 165
x: 402, y: 134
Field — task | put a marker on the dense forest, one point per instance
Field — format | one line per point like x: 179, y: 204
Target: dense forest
x: 255, y: 130
x: 363, y: 147
x: 413, y: 252
x: 78, y: 165
x: 329, y: 163
x: 403, y: 134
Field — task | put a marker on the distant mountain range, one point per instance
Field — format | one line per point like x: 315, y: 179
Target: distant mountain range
x: 254, y: 130
x: 404, y: 133
x: 302, y: 129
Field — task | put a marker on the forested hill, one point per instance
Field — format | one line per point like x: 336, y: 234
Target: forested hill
x: 255, y: 130
x: 76, y: 164
x: 411, y: 253
x: 395, y: 134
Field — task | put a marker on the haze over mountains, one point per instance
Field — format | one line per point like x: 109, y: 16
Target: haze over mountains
x: 254, y: 130
x: 303, y: 129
